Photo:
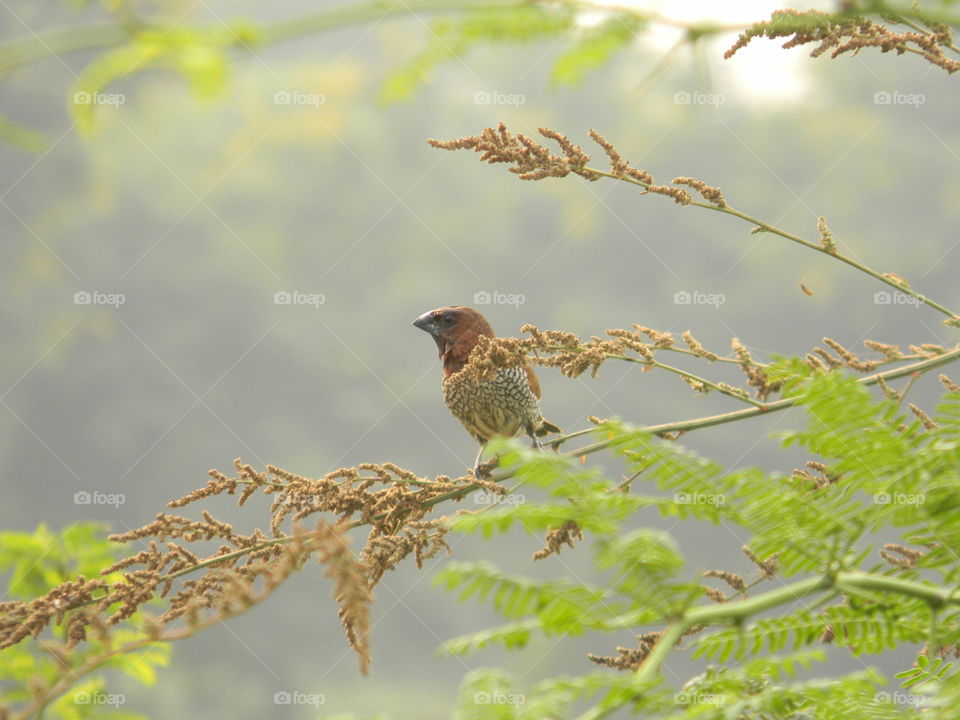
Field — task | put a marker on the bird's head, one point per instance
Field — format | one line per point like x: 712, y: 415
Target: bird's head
x: 456, y: 330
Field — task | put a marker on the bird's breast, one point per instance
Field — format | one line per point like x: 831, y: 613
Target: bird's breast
x: 503, y: 404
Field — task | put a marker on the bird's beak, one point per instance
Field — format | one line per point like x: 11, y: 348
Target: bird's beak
x: 428, y: 323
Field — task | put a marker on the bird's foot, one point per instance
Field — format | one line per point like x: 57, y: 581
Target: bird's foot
x: 485, y: 469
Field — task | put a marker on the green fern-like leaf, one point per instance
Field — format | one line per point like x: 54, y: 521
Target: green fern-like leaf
x: 595, y: 48
x: 772, y: 634
x: 451, y: 39
x: 560, y: 606
x: 646, y: 564
x: 510, y: 636
x: 925, y: 672
x: 488, y: 694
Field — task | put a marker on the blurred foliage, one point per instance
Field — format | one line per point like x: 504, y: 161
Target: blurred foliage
x: 40, y: 560
x: 152, y: 37
x: 37, y: 562
x: 809, y: 529
x: 198, y: 56
x: 528, y: 23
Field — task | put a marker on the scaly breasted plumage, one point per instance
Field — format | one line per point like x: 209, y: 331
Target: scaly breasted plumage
x: 505, y: 405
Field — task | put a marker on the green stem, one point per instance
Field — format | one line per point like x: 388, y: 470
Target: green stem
x: 371, y: 11
x: 906, y: 389
x: 745, y: 609
x: 933, y: 647
x: 843, y: 258
x: 744, y: 397
x: 696, y: 378
x: 935, y: 596
x: 686, y: 425
x: 60, y: 41
x: 797, y: 239
x: 924, y: 31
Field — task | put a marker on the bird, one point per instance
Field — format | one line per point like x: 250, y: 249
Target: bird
x: 505, y: 405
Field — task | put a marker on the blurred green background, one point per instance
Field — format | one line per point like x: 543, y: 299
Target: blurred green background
x: 199, y: 208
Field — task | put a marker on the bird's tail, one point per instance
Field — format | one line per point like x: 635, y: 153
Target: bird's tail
x: 546, y: 427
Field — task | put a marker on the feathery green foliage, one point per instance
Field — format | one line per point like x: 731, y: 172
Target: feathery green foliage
x: 591, y: 47
x: 888, y: 473
x: 43, y: 559
x: 595, y: 48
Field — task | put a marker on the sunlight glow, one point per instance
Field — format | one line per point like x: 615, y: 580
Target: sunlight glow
x: 771, y: 75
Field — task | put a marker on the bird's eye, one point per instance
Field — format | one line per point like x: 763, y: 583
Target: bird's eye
x: 447, y: 319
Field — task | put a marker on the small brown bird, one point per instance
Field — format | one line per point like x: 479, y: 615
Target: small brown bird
x: 505, y: 405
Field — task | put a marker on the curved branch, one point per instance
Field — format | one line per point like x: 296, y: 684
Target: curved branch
x: 953, y: 316
x: 60, y: 41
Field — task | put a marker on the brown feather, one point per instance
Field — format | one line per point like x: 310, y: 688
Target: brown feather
x: 462, y: 337
x: 532, y: 379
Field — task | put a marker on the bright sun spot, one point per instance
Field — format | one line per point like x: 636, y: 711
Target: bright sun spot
x: 762, y: 72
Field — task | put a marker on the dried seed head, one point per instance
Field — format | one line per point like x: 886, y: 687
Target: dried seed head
x: 926, y: 420
x: 846, y: 33
x: 949, y: 384
x: 734, y: 580
x: 707, y: 192
x: 826, y: 237
x: 556, y: 538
